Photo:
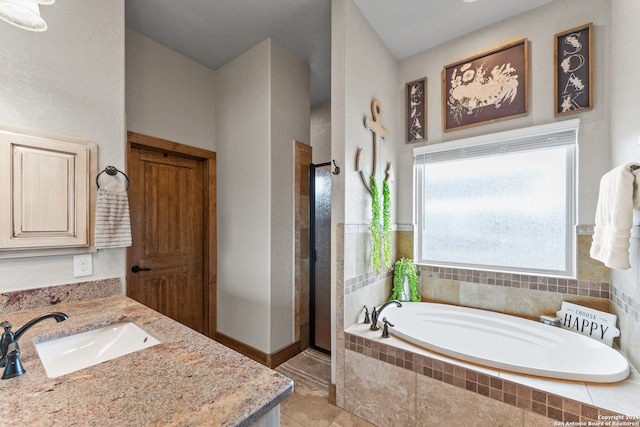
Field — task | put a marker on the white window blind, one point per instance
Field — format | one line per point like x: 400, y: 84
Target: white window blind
x: 502, y: 202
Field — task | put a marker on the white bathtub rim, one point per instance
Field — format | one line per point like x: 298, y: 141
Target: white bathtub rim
x: 615, y: 371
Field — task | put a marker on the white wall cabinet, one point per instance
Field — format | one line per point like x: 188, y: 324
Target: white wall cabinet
x: 45, y: 195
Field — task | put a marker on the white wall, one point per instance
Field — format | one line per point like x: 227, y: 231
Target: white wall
x: 362, y: 69
x: 625, y: 126
x: 290, y: 121
x: 321, y: 133
x: 539, y: 27
x: 168, y: 95
x: 66, y: 82
x: 625, y: 146
x: 262, y: 107
x: 370, y: 71
x: 244, y: 205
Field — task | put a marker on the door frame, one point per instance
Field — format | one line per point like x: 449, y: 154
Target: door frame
x: 136, y: 140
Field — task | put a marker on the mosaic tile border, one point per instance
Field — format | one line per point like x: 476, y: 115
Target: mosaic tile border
x: 523, y: 281
x: 626, y: 304
x: 365, y: 280
x: 530, y: 399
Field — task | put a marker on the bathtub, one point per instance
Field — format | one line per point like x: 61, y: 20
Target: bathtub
x: 505, y: 342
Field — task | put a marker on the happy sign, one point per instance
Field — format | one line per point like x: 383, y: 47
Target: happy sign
x: 587, y: 321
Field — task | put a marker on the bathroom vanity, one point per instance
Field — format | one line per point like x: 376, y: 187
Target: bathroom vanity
x: 186, y: 379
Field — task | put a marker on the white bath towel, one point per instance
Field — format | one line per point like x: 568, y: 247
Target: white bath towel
x: 113, y: 221
x: 614, y: 217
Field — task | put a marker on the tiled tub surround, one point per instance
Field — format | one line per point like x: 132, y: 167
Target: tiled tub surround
x: 188, y: 379
x: 520, y: 295
x: 626, y: 303
x: 517, y: 294
x: 431, y: 389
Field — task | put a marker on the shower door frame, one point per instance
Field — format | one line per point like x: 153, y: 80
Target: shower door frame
x: 312, y: 258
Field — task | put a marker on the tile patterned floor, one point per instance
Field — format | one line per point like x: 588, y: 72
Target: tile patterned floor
x: 309, y: 405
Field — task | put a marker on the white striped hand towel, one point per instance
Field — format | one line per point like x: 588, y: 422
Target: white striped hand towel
x: 113, y: 221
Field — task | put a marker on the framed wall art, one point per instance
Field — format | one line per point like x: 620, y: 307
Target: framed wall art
x: 487, y: 87
x: 573, y: 70
x: 416, y: 110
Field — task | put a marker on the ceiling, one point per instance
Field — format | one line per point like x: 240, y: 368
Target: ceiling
x: 213, y: 32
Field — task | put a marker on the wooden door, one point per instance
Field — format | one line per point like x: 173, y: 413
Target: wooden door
x: 168, y: 263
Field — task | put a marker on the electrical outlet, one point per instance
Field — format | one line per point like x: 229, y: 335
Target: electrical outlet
x: 82, y: 265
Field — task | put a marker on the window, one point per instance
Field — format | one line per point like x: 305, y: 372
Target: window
x: 501, y: 202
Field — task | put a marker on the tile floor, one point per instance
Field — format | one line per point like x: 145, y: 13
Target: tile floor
x: 309, y: 407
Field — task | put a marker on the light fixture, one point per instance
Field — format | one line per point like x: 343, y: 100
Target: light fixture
x: 24, y: 14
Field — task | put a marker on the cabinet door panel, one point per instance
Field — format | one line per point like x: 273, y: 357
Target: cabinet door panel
x: 45, y: 193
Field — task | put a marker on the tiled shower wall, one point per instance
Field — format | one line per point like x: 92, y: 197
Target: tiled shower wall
x: 302, y: 161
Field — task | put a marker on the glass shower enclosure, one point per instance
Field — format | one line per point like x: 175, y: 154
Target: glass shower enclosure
x: 320, y: 257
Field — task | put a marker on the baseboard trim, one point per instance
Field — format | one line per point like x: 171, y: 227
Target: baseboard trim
x: 284, y: 354
x: 268, y: 360
x: 332, y: 394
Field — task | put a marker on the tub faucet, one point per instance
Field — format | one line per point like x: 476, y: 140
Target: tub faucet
x: 9, y: 349
x: 375, y: 313
x: 385, y: 330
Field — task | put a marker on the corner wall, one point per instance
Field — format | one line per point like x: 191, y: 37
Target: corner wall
x: 262, y: 107
x: 625, y: 147
x: 362, y: 69
x: 321, y: 133
x: 290, y: 121
x: 244, y: 205
x: 66, y: 82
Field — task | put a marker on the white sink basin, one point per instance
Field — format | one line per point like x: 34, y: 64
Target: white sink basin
x: 69, y: 354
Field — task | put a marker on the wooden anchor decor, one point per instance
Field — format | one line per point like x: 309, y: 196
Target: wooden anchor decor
x: 374, y: 124
x: 380, y: 233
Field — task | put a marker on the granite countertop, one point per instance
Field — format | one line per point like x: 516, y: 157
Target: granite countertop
x: 186, y: 380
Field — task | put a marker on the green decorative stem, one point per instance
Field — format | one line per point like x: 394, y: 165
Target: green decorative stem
x: 386, y: 224
x: 375, y: 225
x: 380, y: 230
x: 405, y: 267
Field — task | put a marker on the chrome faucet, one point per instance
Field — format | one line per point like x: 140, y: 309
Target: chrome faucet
x: 375, y: 313
x: 9, y: 349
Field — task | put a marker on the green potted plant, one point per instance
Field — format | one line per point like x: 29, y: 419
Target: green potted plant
x: 405, y: 281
